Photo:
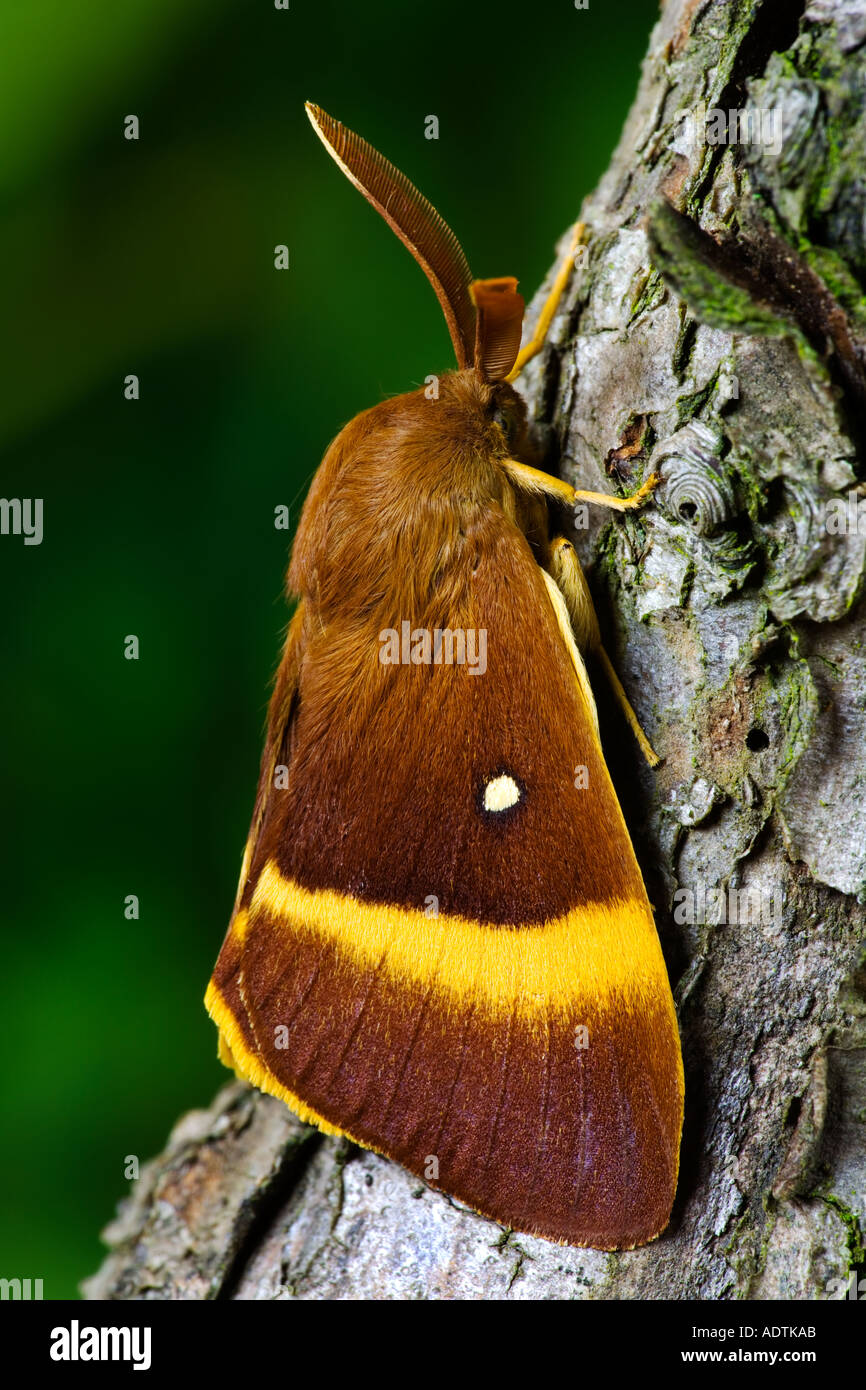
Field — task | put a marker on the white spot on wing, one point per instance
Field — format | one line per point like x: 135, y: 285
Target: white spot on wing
x: 500, y: 793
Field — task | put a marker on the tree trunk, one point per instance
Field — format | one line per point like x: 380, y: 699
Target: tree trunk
x: 724, y: 346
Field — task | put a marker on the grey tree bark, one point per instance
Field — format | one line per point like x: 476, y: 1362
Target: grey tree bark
x: 724, y: 345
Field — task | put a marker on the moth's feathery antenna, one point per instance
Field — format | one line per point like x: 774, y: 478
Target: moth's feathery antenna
x: 414, y: 219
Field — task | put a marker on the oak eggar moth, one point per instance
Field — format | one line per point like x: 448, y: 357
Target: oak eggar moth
x: 442, y: 945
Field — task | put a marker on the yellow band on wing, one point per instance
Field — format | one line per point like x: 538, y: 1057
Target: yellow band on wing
x: 595, y: 955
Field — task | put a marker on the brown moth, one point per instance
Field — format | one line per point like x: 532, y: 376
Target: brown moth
x: 441, y: 945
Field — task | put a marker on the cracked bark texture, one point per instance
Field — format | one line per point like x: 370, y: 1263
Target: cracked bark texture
x: 724, y: 348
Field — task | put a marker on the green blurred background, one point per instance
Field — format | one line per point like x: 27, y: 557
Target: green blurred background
x: 156, y: 257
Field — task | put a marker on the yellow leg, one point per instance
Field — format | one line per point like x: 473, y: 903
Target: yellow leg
x: 533, y: 480
x: 566, y: 570
x: 623, y: 701
x: 545, y: 318
x: 621, y: 504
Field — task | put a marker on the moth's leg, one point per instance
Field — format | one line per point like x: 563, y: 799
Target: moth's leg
x: 565, y: 570
x: 620, y: 504
x: 564, y: 623
x: 532, y: 480
x: 546, y: 485
x: 545, y: 318
x: 623, y: 701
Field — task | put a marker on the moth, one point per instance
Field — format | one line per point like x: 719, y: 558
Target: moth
x: 441, y: 946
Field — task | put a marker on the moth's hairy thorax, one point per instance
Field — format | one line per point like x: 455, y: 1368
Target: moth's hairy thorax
x: 405, y: 501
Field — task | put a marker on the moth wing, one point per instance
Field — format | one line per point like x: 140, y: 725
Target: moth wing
x: 443, y: 947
